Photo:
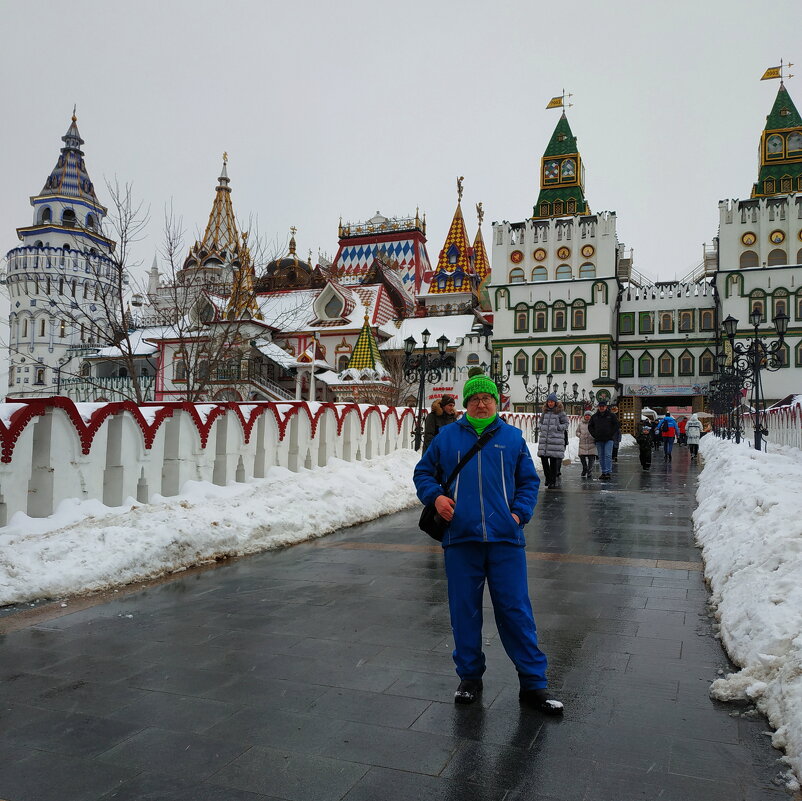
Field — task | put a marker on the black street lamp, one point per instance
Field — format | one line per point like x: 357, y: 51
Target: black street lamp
x: 533, y: 395
x: 498, y: 377
x: 589, y: 400
x: 748, y: 361
x: 565, y: 397
x: 424, y: 367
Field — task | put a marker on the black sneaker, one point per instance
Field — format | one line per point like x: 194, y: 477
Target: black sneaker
x: 542, y: 701
x: 468, y: 691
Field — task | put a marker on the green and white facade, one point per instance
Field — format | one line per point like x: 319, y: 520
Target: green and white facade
x: 567, y: 300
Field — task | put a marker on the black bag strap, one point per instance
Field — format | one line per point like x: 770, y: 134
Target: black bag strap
x: 475, y: 448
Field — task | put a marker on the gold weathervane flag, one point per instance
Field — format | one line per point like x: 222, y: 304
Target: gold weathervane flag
x: 555, y: 102
x: 772, y: 72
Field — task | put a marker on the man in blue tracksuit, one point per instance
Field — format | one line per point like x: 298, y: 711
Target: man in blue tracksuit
x: 492, y: 498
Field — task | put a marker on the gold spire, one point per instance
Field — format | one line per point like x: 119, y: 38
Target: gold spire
x: 242, y: 300
x: 221, y: 235
x: 293, y: 231
x: 459, y: 188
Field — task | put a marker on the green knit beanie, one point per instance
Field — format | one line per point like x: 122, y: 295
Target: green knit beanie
x: 477, y: 384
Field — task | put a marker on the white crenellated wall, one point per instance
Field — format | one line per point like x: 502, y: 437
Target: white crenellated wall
x: 54, y: 450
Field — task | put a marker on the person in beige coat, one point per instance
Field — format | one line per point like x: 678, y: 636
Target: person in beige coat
x: 587, y: 445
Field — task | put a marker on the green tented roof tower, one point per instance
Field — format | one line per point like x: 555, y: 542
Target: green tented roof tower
x: 562, y: 176
x: 780, y: 156
x: 366, y: 352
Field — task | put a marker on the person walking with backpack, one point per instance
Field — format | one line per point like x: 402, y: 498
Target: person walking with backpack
x: 668, y: 430
x: 491, y: 500
x: 587, y: 445
x: 693, y: 432
x: 604, y: 427
x: 617, y: 441
x: 552, y: 439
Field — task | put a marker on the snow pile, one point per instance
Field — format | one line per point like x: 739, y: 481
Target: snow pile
x: 86, y: 546
x: 750, y: 530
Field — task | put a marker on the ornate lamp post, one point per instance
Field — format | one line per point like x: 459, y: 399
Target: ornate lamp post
x: 498, y: 377
x: 533, y: 396
x: 565, y: 397
x: 420, y: 368
x: 588, y: 401
x: 748, y: 361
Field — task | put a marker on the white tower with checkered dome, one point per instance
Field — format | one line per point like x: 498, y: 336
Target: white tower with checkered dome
x: 59, y: 278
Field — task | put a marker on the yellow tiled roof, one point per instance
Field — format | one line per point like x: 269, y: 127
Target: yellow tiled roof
x: 457, y: 247
x: 366, y: 351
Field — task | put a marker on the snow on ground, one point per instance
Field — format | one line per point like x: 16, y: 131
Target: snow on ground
x: 86, y: 546
x: 749, y: 526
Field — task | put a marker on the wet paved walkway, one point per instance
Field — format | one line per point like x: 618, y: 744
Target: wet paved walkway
x: 323, y: 672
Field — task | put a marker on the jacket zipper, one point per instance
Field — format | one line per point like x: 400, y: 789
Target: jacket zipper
x: 482, y: 499
x: 503, y: 479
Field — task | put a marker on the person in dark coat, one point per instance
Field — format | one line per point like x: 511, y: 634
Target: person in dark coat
x: 444, y: 411
x: 644, y: 440
x: 491, y: 501
x: 604, y: 428
x: 617, y: 440
x: 552, y: 439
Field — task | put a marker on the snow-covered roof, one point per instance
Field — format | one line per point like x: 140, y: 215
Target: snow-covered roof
x: 139, y: 343
x: 454, y: 327
x: 275, y: 353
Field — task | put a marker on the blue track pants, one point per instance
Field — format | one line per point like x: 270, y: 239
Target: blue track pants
x: 503, y: 566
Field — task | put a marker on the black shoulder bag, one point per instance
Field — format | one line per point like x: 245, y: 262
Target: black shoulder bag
x: 430, y: 521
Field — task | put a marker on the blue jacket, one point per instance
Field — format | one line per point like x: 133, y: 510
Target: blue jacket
x: 668, y: 427
x: 498, y: 481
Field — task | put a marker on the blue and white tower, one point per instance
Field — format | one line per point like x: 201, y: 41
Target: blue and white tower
x: 60, y: 280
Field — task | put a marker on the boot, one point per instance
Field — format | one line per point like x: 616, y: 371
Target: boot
x: 468, y: 691
x: 542, y: 701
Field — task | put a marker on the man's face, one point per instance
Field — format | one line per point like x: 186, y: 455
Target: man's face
x: 449, y: 408
x: 481, y: 406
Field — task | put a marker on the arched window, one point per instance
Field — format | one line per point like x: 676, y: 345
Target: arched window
x: 42, y: 324
x: 799, y: 355
x: 559, y: 316
x: 757, y: 300
x: 521, y: 363
x: 24, y: 326
x: 540, y: 274
x: 572, y: 206
x: 342, y: 363
x: 779, y: 303
x: 706, y: 320
x: 540, y: 317
x: 68, y: 218
x: 39, y: 376
x: 777, y: 257
x: 666, y: 322
x: 578, y: 315
x: 587, y: 270
x: 91, y: 222
x: 665, y: 365
x: 539, y: 362
x: 558, y: 208
x: 626, y: 366
x: 558, y: 362
x: 46, y: 215
x: 645, y: 365
x: 707, y: 363
x: 799, y: 256
x: 563, y: 272
x: 578, y: 361
x: 517, y: 276
x: 521, y: 318
x: 179, y: 366
x: 472, y: 360
x: 544, y: 209
x: 86, y: 370
x: 748, y: 259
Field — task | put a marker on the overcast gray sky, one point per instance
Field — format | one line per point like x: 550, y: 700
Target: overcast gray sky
x: 330, y: 109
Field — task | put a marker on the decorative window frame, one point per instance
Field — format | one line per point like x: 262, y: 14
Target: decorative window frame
x: 540, y: 362
x: 578, y: 352
x: 559, y: 353
x: 520, y: 363
x: 578, y: 306
x: 661, y: 317
x: 650, y: 370
x: 757, y: 297
x: 541, y: 312
x: 665, y: 372
x: 521, y: 319
x: 780, y: 295
x: 705, y: 314
x: 601, y: 288
x: 562, y: 268
x: 708, y: 356
x: 516, y: 272
x: 686, y: 314
x: 799, y: 305
x: 587, y: 270
x: 540, y: 273
x: 686, y: 354
x: 630, y: 316
x: 648, y: 318
x: 734, y: 285
x: 557, y: 307
x: 626, y: 355
x: 798, y: 351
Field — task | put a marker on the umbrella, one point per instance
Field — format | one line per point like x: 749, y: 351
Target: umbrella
x: 700, y: 415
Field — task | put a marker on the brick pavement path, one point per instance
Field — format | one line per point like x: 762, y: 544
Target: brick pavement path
x: 323, y: 672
